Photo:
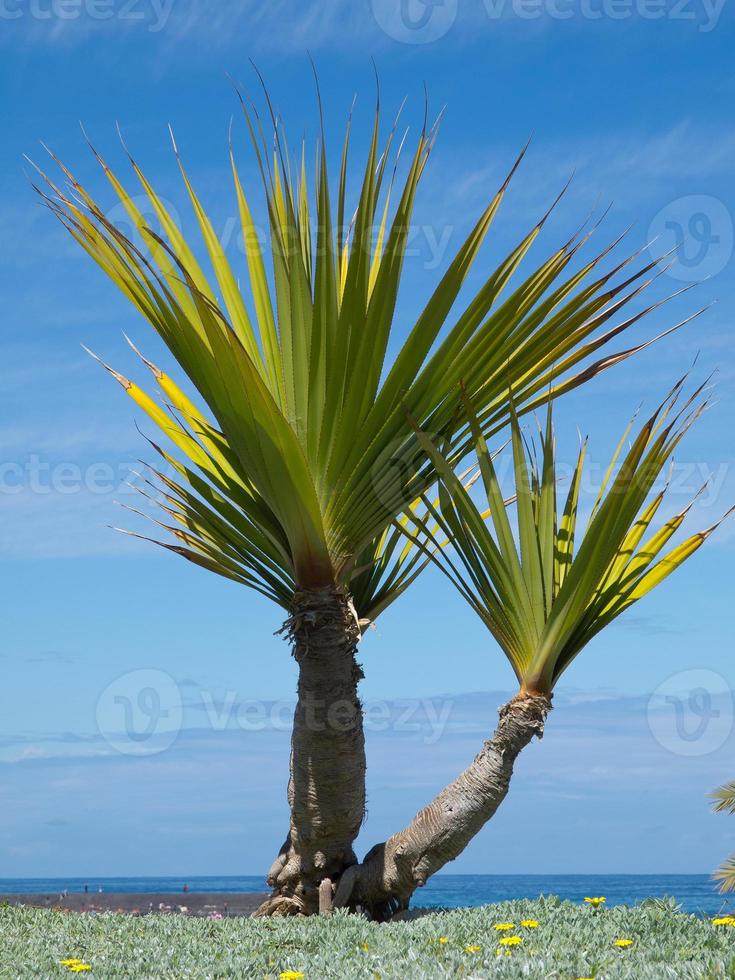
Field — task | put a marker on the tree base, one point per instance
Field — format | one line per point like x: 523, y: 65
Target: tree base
x: 279, y: 907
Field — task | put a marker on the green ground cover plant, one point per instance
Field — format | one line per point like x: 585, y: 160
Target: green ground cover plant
x: 547, y: 939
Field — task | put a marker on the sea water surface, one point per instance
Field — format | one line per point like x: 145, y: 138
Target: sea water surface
x: 695, y: 893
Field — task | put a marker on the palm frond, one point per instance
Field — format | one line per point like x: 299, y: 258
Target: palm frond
x: 545, y: 595
x: 296, y: 460
x: 726, y: 875
x: 724, y: 802
x: 724, y: 798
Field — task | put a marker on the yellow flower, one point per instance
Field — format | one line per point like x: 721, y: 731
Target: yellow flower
x: 442, y: 940
x: 529, y: 924
x: 622, y: 943
x: 365, y: 947
x: 726, y: 920
x: 504, y: 926
x: 69, y: 962
x: 472, y: 949
x: 503, y: 952
x: 291, y: 975
x: 80, y: 967
x: 511, y: 941
x: 596, y: 902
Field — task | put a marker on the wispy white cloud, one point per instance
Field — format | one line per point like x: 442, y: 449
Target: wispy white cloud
x: 282, y: 26
x: 598, y: 760
x: 632, y: 169
x: 52, y: 525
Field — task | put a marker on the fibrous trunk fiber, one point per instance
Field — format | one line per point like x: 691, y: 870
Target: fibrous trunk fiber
x: 326, y: 790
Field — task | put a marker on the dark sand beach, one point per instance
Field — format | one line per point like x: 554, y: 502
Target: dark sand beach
x: 144, y: 903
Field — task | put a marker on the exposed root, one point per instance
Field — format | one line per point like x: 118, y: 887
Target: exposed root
x: 279, y: 906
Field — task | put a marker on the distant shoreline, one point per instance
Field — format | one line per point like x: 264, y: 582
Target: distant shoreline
x: 223, y: 904
x: 241, y: 894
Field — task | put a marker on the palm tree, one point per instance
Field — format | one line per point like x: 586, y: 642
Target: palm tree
x: 542, y: 600
x: 724, y: 798
x: 293, y: 461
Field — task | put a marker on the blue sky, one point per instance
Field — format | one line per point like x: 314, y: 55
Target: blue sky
x: 638, y: 106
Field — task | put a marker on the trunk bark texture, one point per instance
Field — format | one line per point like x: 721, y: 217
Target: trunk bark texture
x: 326, y: 790
x: 383, y: 884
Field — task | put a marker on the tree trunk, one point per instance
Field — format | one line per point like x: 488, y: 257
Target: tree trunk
x: 383, y: 884
x: 326, y: 790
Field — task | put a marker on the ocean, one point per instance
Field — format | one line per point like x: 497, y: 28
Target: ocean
x: 695, y: 893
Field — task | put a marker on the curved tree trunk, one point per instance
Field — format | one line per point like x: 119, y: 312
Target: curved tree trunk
x: 326, y: 790
x: 391, y: 872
